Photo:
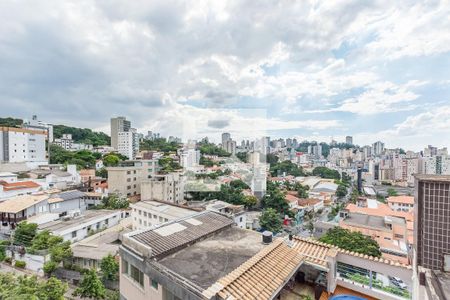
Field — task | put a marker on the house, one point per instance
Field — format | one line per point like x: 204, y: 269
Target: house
x: 18, y: 188
x: 401, y: 203
x: 205, y: 256
x: 89, y: 252
x: 236, y: 212
x: 50, y: 204
x: 86, y: 175
x: 8, y: 177
x: 77, y: 227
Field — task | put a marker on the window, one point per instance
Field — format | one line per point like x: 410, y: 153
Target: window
x: 74, y: 234
x: 136, y: 275
x: 154, y: 284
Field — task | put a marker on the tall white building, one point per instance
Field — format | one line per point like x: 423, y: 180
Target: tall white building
x: 35, y: 124
x: 190, y: 158
x: 124, y: 138
x: 377, y: 148
x: 19, y: 145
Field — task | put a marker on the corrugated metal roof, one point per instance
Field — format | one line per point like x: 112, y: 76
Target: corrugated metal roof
x: 161, y: 244
x: 69, y: 195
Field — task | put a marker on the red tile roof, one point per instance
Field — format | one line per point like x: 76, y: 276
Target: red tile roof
x: 18, y: 185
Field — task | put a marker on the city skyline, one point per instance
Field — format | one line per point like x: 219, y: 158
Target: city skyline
x: 315, y: 69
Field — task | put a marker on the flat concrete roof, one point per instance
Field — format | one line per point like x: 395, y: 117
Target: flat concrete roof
x: 209, y: 260
x: 366, y: 220
x: 89, y: 215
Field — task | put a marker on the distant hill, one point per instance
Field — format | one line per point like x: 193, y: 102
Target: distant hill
x: 79, y: 135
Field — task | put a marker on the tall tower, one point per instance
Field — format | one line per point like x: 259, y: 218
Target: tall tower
x: 119, y: 124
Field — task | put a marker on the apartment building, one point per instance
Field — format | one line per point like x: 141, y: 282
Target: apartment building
x: 126, y: 178
x: 432, y: 234
x: 124, y: 138
x: 119, y: 124
x: 206, y: 257
x: 68, y: 144
x: 145, y: 214
x: 19, y: 145
x: 166, y: 187
x: 392, y: 229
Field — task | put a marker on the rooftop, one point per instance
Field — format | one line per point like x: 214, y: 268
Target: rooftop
x: 168, y: 237
x: 401, y: 199
x: 375, y: 222
x: 62, y: 225
x: 19, y: 203
x: 18, y: 185
x: 214, y: 257
x: 172, y: 210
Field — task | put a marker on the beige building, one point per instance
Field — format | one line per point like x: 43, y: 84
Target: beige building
x: 126, y: 178
x: 206, y: 257
x: 167, y: 187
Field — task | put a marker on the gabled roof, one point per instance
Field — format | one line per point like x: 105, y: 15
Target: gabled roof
x: 260, y: 277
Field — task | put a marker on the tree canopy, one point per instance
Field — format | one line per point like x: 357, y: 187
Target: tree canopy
x: 212, y: 149
x: 91, y: 286
x: 30, y: 287
x: 11, y: 122
x: 275, y: 198
x: 270, y: 220
x: 327, y: 173
x: 25, y: 233
x: 109, y: 267
x: 82, y: 135
x: 352, y: 241
x: 287, y: 167
x: 83, y: 158
x: 160, y: 144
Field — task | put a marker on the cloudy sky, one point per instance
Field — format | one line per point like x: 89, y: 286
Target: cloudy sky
x: 313, y: 70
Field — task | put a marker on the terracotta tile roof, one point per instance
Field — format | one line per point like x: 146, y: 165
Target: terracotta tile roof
x: 308, y: 201
x: 314, y: 252
x: 291, y: 198
x: 260, y: 277
x: 401, y: 199
x: 19, y: 203
x: 18, y: 185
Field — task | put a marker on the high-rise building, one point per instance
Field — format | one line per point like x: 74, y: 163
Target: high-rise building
x: 20, y: 145
x: 432, y: 237
x: 35, y: 124
x: 377, y: 148
x: 124, y: 138
x: 119, y: 124
x: 349, y: 140
x: 225, y: 138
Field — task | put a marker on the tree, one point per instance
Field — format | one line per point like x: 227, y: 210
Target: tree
x: 52, y: 289
x: 206, y: 162
x: 325, y: 172
x: 49, y: 267
x: 61, y: 252
x: 302, y: 190
x: 25, y: 233
x: 310, y: 226
x: 114, y: 201
x: 103, y: 173
x: 239, y: 184
x: 275, y: 198
x: 91, y: 286
x: 287, y: 167
x: 271, y: 159
x: 392, y: 192
x: 270, y: 220
x: 45, y: 240
x: 250, y: 201
x: 341, y: 191
x: 352, y: 241
x: 211, y: 149
x: 111, y: 160
x: 109, y: 267
x: 168, y: 164
x: 242, y: 156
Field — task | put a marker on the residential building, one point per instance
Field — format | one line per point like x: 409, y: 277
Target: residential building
x: 8, y: 177
x: 68, y: 144
x: 349, y: 140
x: 190, y: 158
x: 377, y: 148
x: 119, y: 124
x: 125, y: 179
x: 19, y: 145
x: 206, y: 257
x: 401, y: 203
x: 164, y: 187
x: 235, y: 212
x: 35, y: 124
x: 392, y: 229
x: 19, y: 188
x: 89, y: 252
x: 145, y: 214
x: 78, y: 227
x: 432, y: 236
x: 52, y: 205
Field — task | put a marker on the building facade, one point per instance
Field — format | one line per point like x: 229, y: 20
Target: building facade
x: 19, y: 145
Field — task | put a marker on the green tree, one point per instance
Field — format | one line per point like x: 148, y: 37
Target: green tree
x: 250, y: 201
x: 310, y: 226
x: 109, y: 267
x: 61, y: 252
x: 49, y: 267
x: 302, y: 190
x: 287, y: 167
x: 168, y: 164
x: 242, y: 156
x: 275, y: 198
x: 239, y: 184
x: 52, y: 289
x: 352, y: 241
x: 206, y: 162
x: 271, y: 159
x: 114, y: 201
x: 341, y: 191
x: 91, y: 286
x: 392, y: 192
x: 45, y: 240
x: 111, y: 160
x: 211, y: 149
x: 25, y: 233
x: 82, y: 135
x: 325, y: 172
x: 270, y: 220
x: 103, y: 173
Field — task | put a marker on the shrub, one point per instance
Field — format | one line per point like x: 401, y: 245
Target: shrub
x: 50, y: 267
x: 8, y: 260
x: 20, y: 264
